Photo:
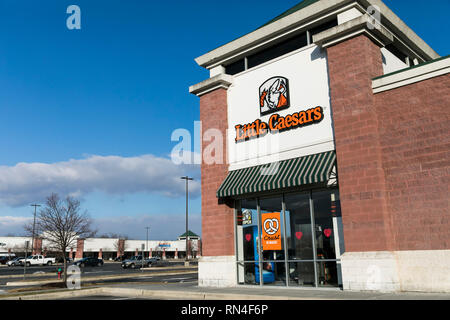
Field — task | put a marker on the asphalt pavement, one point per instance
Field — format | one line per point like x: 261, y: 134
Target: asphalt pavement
x: 109, y: 273
x: 107, y: 268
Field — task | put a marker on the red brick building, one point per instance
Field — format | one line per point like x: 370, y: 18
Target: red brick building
x: 335, y: 121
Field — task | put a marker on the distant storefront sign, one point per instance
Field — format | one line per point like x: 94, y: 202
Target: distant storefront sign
x: 247, y: 217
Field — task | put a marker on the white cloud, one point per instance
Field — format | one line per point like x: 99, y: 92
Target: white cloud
x: 13, y: 225
x: 27, y: 182
x: 162, y: 226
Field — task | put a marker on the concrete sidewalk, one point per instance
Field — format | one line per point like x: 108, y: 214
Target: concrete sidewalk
x: 190, y: 291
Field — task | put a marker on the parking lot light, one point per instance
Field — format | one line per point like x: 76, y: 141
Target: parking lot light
x: 187, y: 231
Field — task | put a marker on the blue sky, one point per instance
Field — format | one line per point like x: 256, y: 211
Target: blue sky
x: 114, y: 91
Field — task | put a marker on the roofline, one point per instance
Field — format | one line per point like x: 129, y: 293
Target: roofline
x: 407, y: 76
x: 309, y: 14
x: 394, y: 23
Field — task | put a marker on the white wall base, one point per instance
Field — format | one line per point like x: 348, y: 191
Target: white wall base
x: 395, y: 271
x: 217, y: 271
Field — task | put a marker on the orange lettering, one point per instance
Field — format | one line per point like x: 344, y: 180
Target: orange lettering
x: 318, y: 113
x: 294, y: 119
x: 288, y: 121
x: 239, y: 133
x: 302, y: 117
x: 309, y: 112
x: 273, y: 118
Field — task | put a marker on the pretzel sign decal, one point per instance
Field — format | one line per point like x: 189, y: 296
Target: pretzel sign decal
x: 271, y: 233
x: 271, y: 226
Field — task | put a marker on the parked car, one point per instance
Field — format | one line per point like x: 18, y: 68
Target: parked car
x: 15, y: 262
x: 37, y: 260
x: 136, y: 262
x: 90, y: 261
x: 21, y: 260
x: 120, y: 258
x: 5, y: 259
x: 61, y: 260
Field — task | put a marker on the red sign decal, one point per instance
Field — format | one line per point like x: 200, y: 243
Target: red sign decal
x: 327, y: 232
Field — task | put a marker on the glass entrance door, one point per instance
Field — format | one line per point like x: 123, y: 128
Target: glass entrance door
x: 272, y: 241
x: 300, y: 244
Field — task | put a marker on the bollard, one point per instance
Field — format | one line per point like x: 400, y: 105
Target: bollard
x: 59, y: 273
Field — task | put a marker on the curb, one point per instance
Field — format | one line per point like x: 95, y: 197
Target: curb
x: 156, y: 294
x: 56, y: 295
x: 185, y: 295
x: 168, y: 268
x: 31, y: 275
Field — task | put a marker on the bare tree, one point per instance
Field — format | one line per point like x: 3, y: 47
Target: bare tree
x: 61, y: 223
x: 113, y: 235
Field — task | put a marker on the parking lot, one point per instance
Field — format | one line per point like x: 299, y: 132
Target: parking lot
x: 108, y: 273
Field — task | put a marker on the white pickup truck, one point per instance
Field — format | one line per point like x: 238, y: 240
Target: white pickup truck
x: 38, y: 260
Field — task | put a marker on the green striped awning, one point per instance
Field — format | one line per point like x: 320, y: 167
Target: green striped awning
x: 279, y: 175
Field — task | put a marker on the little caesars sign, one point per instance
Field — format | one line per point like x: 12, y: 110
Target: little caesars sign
x: 274, y: 97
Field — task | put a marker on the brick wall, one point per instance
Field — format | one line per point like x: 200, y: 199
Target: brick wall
x: 367, y: 224
x: 217, y: 218
x: 393, y: 151
x: 37, y: 246
x: 120, y: 247
x: 414, y: 125
x: 80, y: 249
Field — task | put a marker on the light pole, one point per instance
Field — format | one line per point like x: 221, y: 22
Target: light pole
x: 34, y: 224
x: 187, y: 230
x: 147, y: 240
x: 25, y: 260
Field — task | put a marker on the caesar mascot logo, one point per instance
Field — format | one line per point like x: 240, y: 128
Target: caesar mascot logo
x: 274, y: 95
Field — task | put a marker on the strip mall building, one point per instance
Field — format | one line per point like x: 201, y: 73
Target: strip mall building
x: 103, y: 248
x: 336, y: 126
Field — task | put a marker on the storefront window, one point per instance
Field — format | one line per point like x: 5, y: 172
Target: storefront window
x: 298, y: 225
x: 272, y: 229
x: 247, y: 273
x: 329, y: 236
x: 298, y: 235
x: 247, y: 240
x: 272, y: 241
x: 274, y: 273
x: 327, y: 273
x: 327, y: 220
x: 301, y: 274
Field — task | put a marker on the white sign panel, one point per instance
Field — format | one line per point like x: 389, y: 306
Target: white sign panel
x: 280, y: 110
